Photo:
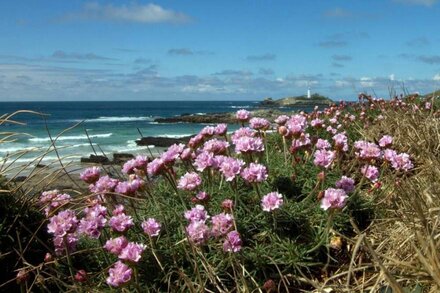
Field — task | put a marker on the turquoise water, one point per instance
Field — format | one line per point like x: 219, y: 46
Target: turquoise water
x: 111, y: 126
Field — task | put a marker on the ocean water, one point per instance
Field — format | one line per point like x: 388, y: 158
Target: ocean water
x: 112, y: 126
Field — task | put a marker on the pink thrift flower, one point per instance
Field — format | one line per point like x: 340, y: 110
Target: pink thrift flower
x: 119, y: 274
x: 317, y: 123
x: 341, y: 142
x: 221, y: 129
x: 322, y: 144
x: 241, y: 132
x: 115, y: 245
x: 324, y: 158
x: 195, y: 141
x: 227, y: 204
x: 198, y: 232
x: 53, y: 200
x: 121, y: 222
x: 334, y: 199
x: 300, y: 143
x: 297, y: 124
x: 119, y: 209
x: 132, y: 252
x: 129, y: 187
x: 367, y: 150
x: 151, y: 227
x: 389, y: 155
x: 246, y: 144
x: 62, y: 223
x: 208, y: 131
x: 90, y: 175
x: 255, y: 173
x: 386, y: 141
x: 281, y: 120
x: 197, y: 214
x: 172, y: 153
x: 231, y: 167
x: 221, y: 224
x: 204, y: 160
x: 137, y: 164
x: 155, y: 167
x: 103, y: 185
x: 370, y: 172
x: 216, y: 146
x: 402, y: 161
x: 68, y: 241
x: 243, y: 115
x: 187, y: 154
x: 271, y: 201
x: 190, y: 181
x: 232, y: 242
x: 259, y: 123
x: 345, y: 183
x: 93, y: 222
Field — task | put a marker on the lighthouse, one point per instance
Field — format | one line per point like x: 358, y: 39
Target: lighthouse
x: 309, y: 95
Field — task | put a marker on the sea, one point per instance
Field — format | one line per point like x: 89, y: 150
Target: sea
x: 83, y: 128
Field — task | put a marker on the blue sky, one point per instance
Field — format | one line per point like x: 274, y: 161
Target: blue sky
x: 203, y: 50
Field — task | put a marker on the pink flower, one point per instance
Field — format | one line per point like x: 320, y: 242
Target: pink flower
x: 137, y: 164
x: 247, y: 144
x: 259, y: 123
x: 402, y: 161
x: 190, y: 181
x: 151, y: 227
x: 281, y: 120
x: 198, y: 232
x: 62, y: 223
x: 345, y: 183
x: 173, y: 152
x: 232, y: 242
x: 324, y: 158
x: 231, y: 167
x: 243, y: 115
x: 255, y: 173
x: 67, y: 242
x: 221, y: 224
x: 119, y: 274
x: 208, y: 131
x: 300, y: 143
x: 370, y: 172
x: 129, y: 187
x: 271, y: 201
x: 53, y: 200
x: 204, y: 160
x: 202, y: 196
x: 389, y: 155
x: 187, y: 154
x: 297, y: 124
x: 197, y: 214
x: 221, y: 129
x: 243, y: 131
x: 103, y: 185
x: 155, y: 167
x: 367, y: 150
x: 322, y: 144
x: 132, y: 252
x: 195, y: 141
x: 317, y: 123
x: 93, y: 222
x: 333, y: 198
x: 115, y: 245
x: 386, y: 141
x: 121, y: 222
x: 216, y: 146
x: 227, y: 204
x: 90, y: 175
x: 341, y: 142
x: 119, y: 209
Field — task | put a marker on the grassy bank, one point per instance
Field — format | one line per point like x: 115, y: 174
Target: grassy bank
x: 339, y: 200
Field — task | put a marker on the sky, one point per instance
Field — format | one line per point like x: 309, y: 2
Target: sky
x: 53, y: 50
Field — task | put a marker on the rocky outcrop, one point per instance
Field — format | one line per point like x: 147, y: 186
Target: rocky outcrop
x: 206, y: 118
x: 95, y: 159
x: 161, y: 141
x: 119, y: 158
x: 314, y: 100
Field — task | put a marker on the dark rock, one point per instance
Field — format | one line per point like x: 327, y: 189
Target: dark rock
x: 95, y: 159
x: 161, y: 141
x: 40, y: 166
x: 194, y: 118
x: 19, y: 179
x: 119, y: 158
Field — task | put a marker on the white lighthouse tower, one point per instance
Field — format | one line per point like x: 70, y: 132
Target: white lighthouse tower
x: 309, y: 94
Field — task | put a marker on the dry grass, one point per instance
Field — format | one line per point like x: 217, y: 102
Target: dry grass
x: 406, y: 240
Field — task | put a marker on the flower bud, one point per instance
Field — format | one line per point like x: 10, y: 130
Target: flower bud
x: 81, y: 276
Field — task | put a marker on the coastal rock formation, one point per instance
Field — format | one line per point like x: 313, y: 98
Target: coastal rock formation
x: 95, y: 159
x: 119, y: 158
x: 314, y: 100
x: 194, y: 118
x: 161, y: 141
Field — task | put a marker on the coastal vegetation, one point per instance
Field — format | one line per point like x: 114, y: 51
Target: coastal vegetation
x: 343, y: 199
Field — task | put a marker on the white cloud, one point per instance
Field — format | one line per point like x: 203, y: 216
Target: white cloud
x: 417, y: 2
x: 149, y: 13
x: 392, y: 77
x: 366, y: 82
x: 342, y: 83
x: 436, y: 77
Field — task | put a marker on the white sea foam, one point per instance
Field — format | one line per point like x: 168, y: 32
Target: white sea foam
x: 46, y: 159
x: 71, y: 137
x: 176, y: 135
x: 17, y: 149
x: 118, y: 119
x: 240, y: 107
